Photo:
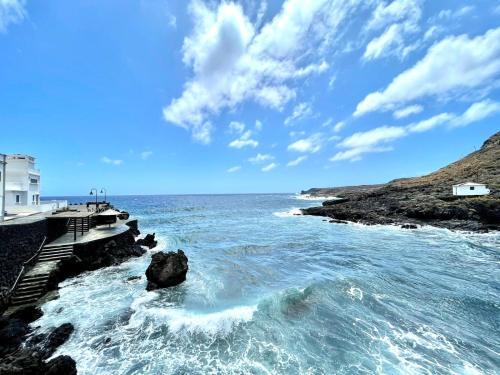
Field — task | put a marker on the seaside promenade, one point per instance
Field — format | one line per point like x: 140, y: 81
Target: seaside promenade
x: 62, y: 232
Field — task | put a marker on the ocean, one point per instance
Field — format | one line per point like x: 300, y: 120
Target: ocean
x: 270, y: 292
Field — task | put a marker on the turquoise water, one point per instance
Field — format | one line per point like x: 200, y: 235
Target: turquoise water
x: 269, y: 292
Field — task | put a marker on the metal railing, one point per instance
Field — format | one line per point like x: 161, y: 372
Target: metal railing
x: 26, y: 264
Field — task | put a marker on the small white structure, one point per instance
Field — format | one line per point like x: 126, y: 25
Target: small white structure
x: 3, y: 163
x: 22, y: 187
x: 470, y: 188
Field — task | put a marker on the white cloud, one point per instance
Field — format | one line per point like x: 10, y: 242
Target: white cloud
x: 339, y: 126
x: 327, y: 122
x: 11, y: 12
x: 383, y: 44
x: 447, y: 14
x: 260, y: 158
x: 244, y: 141
x: 400, y: 19
x: 294, y: 134
x: 373, y: 140
x: 107, y: 160
x: 236, y: 127
x: 451, y: 65
x: 407, y: 111
x: 477, y: 112
x: 258, y: 125
x: 300, y: 111
x: 269, y: 167
x: 331, y: 81
x: 430, y: 123
x: 355, y: 154
x: 146, y: 154
x: 234, y: 169
x: 233, y: 61
x: 202, y: 133
x: 310, y: 144
x: 373, y: 137
x: 295, y: 162
x: 172, y: 21
x: 395, y: 11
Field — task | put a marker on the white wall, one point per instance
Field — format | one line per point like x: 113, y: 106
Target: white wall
x: 19, y: 173
x: 466, y: 190
x: 2, y: 185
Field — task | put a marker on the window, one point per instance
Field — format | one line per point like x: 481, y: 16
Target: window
x: 18, y: 198
x: 0, y: 176
x: 33, y: 180
x: 472, y: 188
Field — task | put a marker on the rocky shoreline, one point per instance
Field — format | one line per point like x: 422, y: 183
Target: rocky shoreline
x: 22, y: 350
x: 425, y: 200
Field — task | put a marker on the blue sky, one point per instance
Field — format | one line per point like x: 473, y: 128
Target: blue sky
x: 146, y: 97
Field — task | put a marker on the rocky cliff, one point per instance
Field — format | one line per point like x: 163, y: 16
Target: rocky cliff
x: 426, y: 199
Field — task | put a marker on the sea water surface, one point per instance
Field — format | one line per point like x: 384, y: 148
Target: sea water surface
x: 269, y: 292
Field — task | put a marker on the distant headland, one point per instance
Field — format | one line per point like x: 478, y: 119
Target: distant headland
x: 464, y: 195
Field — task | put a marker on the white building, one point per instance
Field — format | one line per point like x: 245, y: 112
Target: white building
x: 22, y: 187
x: 2, y: 185
x: 470, y: 188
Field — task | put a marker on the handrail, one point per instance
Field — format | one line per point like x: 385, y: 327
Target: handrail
x: 23, y: 268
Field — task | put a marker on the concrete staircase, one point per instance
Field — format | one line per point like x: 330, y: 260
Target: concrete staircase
x: 34, y: 283
x: 53, y: 253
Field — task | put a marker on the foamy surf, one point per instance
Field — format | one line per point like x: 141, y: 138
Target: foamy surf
x: 182, y: 321
x: 308, y: 197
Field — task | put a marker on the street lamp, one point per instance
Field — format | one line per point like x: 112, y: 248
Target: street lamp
x: 105, y: 194
x: 91, y: 190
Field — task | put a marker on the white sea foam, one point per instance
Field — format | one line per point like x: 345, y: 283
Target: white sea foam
x: 181, y: 320
x: 308, y: 197
x: 289, y: 213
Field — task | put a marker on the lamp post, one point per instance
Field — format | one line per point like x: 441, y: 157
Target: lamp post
x: 105, y: 194
x: 91, y: 190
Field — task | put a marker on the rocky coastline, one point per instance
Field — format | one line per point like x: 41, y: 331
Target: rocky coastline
x: 23, y: 351
x: 425, y: 200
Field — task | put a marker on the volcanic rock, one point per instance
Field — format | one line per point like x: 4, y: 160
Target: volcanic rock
x: 166, y: 270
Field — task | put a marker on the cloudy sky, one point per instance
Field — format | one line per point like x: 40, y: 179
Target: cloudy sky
x: 158, y: 96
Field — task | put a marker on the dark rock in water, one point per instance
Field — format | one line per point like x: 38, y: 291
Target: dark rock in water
x: 12, y: 334
x: 27, y: 314
x: 132, y: 278
x: 166, y: 270
x: 46, y: 344
x: 124, y: 215
x: 409, y: 226
x: 134, y: 227
x: 336, y: 221
x: 56, y: 338
x: 148, y: 241
x: 61, y: 365
x: 22, y: 362
x: 15, y: 327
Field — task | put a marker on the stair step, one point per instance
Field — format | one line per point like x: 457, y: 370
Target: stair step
x: 26, y: 297
x: 56, y: 252
x: 57, y: 247
x: 29, y: 293
x: 35, y: 277
x: 54, y: 258
x: 30, y: 286
x: 51, y: 260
